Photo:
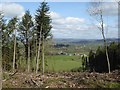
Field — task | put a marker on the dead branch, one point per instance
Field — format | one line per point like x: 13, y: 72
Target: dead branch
x: 35, y: 83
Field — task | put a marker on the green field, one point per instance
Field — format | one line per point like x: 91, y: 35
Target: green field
x: 55, y: 63
x: 62, y: 63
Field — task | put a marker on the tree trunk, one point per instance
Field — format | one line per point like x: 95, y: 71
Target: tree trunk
x: 26, y: 50
x: 14, y: 51
x: 0, y: 61
x: 35, y: 58
x: 43, y: 67
x: 28, y: 58
x: 106, y: 52
x: 105, y: 45
x: 38, y: 54
x: 26, y: 53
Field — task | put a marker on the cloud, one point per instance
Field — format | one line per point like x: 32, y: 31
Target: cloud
x: 74, y: 20
x: 68, y: 27
x: 75, y: 27
x: 54, y: 15
x: 12, y: 9
x: 108, y: 8
x: 67, y: 23
x: 58, y: 19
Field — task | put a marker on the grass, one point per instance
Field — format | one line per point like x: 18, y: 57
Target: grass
x: 103, y: 84
x: 55, y: 63
x: 62, y: 63
x: 112, y: 85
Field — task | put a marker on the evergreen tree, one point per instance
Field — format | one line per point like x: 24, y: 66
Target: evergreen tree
x: 43, y: 27
x: 25, y: 32
x: 12, y: 26
x: 91, y: 61
x: 98, y: 60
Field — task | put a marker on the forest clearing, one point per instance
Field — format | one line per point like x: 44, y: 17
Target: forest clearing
x: 55, y: 45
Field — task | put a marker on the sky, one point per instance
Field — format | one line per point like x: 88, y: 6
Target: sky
x: 70, y: 19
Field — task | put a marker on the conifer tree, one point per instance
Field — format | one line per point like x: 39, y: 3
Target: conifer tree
x: 25, y: 32
x: 12, y: 27
x: 43, y: 27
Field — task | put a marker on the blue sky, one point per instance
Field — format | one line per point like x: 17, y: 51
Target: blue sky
x: 65, y: 8
x: 71, y: 19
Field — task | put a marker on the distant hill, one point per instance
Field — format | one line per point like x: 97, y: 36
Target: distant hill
x: 83, y: 41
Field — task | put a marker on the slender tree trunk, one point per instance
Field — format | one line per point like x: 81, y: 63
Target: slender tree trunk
x: 14, y: 50
x: 36, y: 50
x: 35, y: 59
x: 28, y: 58
x: 0, y: 61
x: 105, y: 45
x: 43, y: 57
x: 38, y: 53
x: 26, y: 49
x: 26, y: 53
x: 106, y: 52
